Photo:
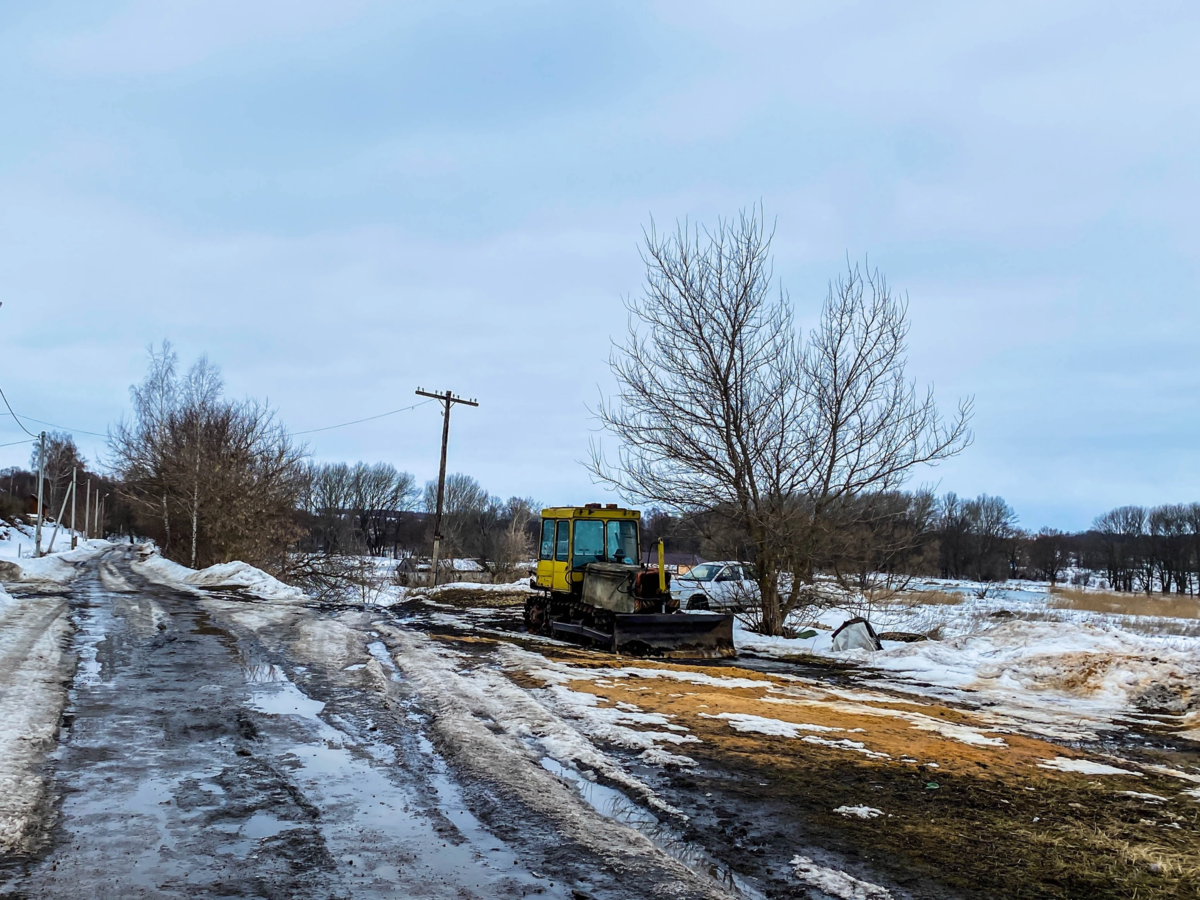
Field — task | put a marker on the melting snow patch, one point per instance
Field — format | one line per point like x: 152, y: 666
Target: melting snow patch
x: 863, y: 812
x: 844, y: 744
x: 1149, y: 798
x: 1083, y: 766
x: 759, y: 725
x: 836, y: 883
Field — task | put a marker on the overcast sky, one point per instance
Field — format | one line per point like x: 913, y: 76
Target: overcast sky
x: 340, y: 202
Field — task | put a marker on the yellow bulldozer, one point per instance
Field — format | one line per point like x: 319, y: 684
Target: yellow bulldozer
x: 594, y: 588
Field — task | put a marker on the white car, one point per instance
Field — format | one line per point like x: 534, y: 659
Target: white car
x: 716, y: 586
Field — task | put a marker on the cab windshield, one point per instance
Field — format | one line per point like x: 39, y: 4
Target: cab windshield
x: 703, y: 572
x: 600, y: 541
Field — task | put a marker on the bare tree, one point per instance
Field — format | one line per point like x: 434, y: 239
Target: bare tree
x: 722, y: 406
x: 227, y: 470
x: 62, y: 457
x: 1049, y: 554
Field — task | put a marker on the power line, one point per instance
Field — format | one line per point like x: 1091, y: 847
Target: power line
x: 67, y: 428
x: 14, y: 415
x: 14, y: 443
x: 40, y: 422
x: 357, y: 421
x: 294, y: 433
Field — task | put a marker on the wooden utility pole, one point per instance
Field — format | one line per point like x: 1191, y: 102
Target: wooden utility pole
x: 74, y: 482
x: 448, y: 399
x: 41, y: 481
x: 87, y: 512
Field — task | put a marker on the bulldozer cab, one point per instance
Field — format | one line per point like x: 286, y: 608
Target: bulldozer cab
x: 574, y: 536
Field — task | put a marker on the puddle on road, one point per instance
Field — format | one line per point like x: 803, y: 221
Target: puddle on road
x: 285, y: 699
x: 92, y: 627
x: 381, y: 655
x: 612, y: 804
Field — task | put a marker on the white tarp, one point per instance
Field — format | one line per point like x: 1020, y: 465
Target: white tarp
x: 855, y: 634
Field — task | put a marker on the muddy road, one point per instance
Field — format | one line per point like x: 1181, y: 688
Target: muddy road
x: 215, y: 746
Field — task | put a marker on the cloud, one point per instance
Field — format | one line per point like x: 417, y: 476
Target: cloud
x: 151, y: 37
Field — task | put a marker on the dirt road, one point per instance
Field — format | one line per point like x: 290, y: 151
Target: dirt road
x: 217, y: 747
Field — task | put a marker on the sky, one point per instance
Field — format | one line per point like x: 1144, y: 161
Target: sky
x: 339, y: 203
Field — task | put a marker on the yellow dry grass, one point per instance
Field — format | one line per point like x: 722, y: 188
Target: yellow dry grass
x: 1138, y: 604
x: 918, y: 598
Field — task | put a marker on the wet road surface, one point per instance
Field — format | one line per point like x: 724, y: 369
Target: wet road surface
x: 196, y: 761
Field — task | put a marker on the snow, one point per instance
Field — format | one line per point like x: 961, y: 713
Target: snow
x: 759, y: 725
x: 1138, y: 795
x: 516, y: 587
x: 557, y: 723
x: 857, y: 705
x: 836, y: 883
x: 223, y: 576
x: 17, y: 564
x: 862, y: 812
x: 1064, y: 675
x: 1083, y: 767
x: 34, y: 632
x: 845, y: 744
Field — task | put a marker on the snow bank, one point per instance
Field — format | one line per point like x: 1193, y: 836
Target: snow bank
x: 55, y: 570
x: 1110, y: 668
x: 34, y: 662
x: 1106, y: 665
x: 238, y: 576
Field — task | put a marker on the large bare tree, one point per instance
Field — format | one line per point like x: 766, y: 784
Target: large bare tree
x: 723, y: 407
x: 193, y: 463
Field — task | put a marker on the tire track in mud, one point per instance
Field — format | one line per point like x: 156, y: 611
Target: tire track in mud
x: 214, y: 746
x: 191, y: 764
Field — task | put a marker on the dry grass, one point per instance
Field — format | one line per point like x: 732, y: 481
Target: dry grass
x: 473, y: 598
x: 1157, y: 605
x: 918, y: 598
x: 994, y: 816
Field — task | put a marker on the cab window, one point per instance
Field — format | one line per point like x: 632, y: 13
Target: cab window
x: 622, y: 541
x: 589, y: 542
x: 564, y: 540
x: 547, y: 539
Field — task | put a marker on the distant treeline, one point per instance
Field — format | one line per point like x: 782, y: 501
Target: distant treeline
x: 1131, y: 548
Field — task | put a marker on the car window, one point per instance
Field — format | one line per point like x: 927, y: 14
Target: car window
x: 547, y: 539
x: 564, y: 540
x: 703, y: 572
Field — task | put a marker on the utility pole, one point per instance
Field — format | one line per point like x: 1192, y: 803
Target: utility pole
x: 87, y: 511
x: 448, y: 399
x: 74, y: 482
x: 37, y: 540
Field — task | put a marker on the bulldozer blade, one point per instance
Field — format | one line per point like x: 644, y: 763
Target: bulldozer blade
x: 674, y: 636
